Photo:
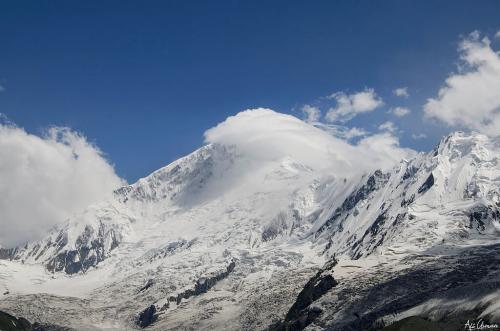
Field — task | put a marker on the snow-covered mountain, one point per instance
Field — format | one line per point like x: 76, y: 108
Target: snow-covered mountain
x: 222, y: 239
x: 447, y: 196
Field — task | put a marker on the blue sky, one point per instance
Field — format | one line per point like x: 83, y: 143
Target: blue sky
x: 144, y: 80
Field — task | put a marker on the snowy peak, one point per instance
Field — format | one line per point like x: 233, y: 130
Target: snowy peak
x: 220, y: 234
x: 460, y: 144
x: 448, y: 194
x: 443, y: 196
x: 180, y: 179
x: 274, y: 199
x: 467, y: 167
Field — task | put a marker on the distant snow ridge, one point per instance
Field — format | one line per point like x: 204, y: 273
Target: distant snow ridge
x: 80, y: 243
x: 449, y: 194
x: 218, y: 239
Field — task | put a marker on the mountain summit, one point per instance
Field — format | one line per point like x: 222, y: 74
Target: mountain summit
x: 232, y: 238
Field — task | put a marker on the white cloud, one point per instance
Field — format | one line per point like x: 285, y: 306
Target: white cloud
x: 418, y: 136
x: 351, y: 105
x: 265, y: 135
x: 45, y: 179
x: 312, y: 114
x: 497, y: 35
x: 399, y: 111
x: 388, y: 126
x: 401, y: 92
x: 355, y: 132
x: 471, y: 98
x: 384, y: 148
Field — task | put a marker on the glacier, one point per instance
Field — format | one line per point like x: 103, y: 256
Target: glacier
x: 225, y: 239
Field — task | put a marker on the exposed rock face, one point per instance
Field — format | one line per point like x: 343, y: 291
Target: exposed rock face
x: 301, y: 314
x: 426, y: 185
x: 73, y: 247
x: 404, y: 236
x: 373, y: 183
x: 147, y: 317
x: 90, y: 249
x: 11, y: 323
x: 203, y: 284
x: 148, y: 285
x: 372, y: 303
x: 7, y: 253
x: 480, y: 216
x: 415, y: 204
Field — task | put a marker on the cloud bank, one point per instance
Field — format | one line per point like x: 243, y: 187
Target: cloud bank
x: 264, y: 135
x: 471, y: 98
x: 43, y: 180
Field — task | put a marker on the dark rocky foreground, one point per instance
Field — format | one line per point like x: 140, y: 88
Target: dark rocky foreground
x: 451, y: 323
x: 12, y: 323
x: 361, y: 303
x: 365, y: 301
x: 301, y: 314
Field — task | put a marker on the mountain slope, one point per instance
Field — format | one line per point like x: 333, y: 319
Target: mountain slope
x: 446, y: 196
x: 222, y: 239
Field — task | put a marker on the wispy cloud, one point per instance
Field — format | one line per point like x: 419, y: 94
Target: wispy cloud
x: 350, y: 105
x: 399, y: 111
x: 312, y: 114
x: 388, y: 126
x: 418, y: 136
x: 401, y: 92
x: 342, y: 132
x: 355, y: 132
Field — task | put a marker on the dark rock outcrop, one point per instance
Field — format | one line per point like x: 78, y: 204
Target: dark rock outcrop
x: 12, y: 323
x: 146, y: 286
x: 147, y: 317
x: 90, y: 249
x: 203, y: 284
x: 7, y: 253
x: 301, y: 314
x: 427, y: 184
x: 361, y: 303
x: 373, y: 183
x: 480, y: 216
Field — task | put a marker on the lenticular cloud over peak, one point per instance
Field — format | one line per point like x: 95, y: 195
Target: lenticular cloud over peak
x: 264, y: 134
x: 268, y: 135
x: 46, y: 179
